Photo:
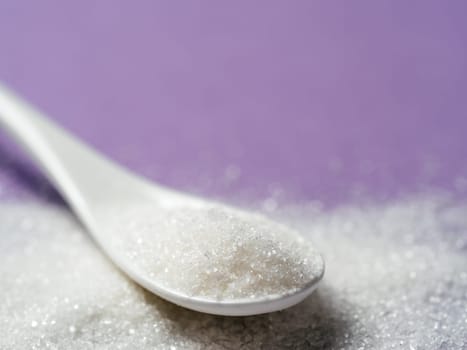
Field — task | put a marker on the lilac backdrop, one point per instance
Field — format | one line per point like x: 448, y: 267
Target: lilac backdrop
x: 320, y: 98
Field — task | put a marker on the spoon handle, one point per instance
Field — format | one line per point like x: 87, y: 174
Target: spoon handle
x: 84, y: 177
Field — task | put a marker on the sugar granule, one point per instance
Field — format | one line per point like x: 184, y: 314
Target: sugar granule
x: 396, y: 279
x: 216, y: 253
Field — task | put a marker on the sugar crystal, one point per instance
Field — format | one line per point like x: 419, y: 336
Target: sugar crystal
x: 218, y: 253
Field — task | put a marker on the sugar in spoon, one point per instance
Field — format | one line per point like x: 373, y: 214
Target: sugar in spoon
x: 196, y: 253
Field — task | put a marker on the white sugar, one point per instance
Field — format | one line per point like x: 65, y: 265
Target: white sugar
x: 396, y: 279
x: 216, y: 253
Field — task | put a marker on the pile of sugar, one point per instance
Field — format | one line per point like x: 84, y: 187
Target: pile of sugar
x: 216, y: 252
x: 396, y: 279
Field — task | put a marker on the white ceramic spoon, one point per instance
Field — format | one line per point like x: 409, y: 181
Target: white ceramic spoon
x: 92, y: 184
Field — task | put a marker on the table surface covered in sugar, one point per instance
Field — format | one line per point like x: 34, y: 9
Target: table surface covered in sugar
x: 396, y: 278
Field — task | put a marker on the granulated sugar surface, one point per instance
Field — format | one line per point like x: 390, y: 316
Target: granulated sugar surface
x: 396, y: 279
x: 216, y: 252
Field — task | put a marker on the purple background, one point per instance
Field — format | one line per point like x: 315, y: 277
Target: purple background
x: 322, y: 99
